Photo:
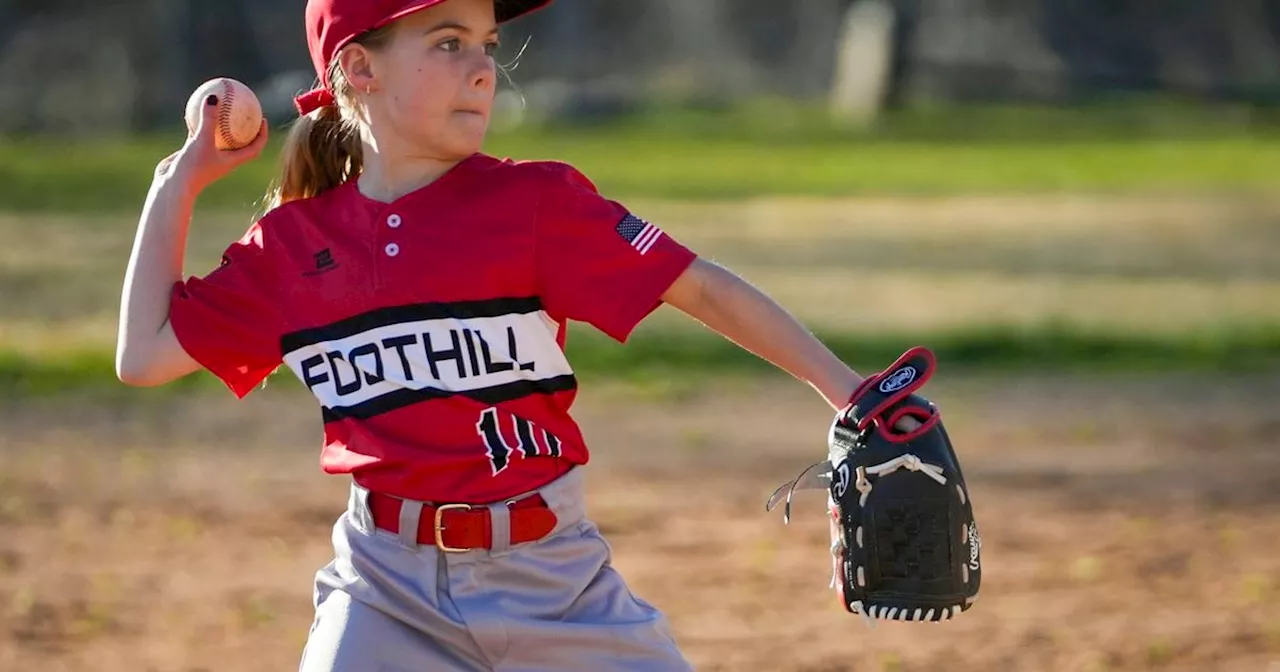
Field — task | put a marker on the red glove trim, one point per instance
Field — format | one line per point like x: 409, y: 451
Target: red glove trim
x: 897, y: 396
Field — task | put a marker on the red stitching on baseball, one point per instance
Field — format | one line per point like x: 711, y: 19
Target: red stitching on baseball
x: 224, y: 114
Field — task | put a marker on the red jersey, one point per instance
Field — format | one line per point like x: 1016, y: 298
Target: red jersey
x: 432, y: 329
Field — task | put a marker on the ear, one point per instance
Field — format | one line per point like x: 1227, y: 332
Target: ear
x: 356, y: 62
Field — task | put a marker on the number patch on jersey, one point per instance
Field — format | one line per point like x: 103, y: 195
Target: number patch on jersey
x: 526, y: 436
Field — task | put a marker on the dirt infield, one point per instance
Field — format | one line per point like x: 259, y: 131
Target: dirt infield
x: 1127, y: 524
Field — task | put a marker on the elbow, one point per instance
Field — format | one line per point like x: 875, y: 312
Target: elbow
x: 136, y: 371
x: 134, y: 375
x: 692, y: 290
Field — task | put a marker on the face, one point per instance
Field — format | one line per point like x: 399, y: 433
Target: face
x: 432, y: 86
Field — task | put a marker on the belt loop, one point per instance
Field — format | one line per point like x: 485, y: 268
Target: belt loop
x: 499, y: 527
x: 410, y: 517
x: 358, y: 506
x: 565, y: 497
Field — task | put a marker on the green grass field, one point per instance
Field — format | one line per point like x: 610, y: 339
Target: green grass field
x: 114, y: 176
x: 766, y: 150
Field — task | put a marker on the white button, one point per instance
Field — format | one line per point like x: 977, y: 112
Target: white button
x: 392, y: 249
x: 393, y: 221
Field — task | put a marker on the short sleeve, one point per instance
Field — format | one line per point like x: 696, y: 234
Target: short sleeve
x: 597, y: 262
x: 227, y: 320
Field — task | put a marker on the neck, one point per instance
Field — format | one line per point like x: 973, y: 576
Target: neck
x: 388, y: 175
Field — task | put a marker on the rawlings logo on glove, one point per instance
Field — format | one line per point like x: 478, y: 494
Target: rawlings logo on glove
x: 904, y: 542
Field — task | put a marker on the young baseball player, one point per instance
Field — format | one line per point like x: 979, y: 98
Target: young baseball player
x: 421, y: 290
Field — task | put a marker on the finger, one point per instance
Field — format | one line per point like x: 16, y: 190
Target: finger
x: 908, y: 424
x: 207, y: 120
x: 260, y: 142
x: 249, y: 151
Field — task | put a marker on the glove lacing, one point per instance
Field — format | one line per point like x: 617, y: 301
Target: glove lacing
x: 905, y: 461
x: 901, y: 614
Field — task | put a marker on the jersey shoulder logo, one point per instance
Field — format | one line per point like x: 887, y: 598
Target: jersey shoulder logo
x: 640, y: 234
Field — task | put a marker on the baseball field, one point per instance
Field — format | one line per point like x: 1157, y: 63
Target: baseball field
x: 1106, y: 312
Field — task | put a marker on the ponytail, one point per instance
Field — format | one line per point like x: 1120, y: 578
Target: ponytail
x: 324, y: 149
x: 321, y: 151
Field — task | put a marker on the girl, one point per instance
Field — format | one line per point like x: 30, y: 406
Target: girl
x: 421, y: 290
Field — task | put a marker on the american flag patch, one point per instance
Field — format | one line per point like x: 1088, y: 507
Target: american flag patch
x: 641, y: 234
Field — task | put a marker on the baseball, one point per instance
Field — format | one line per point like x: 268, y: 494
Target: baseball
x: 239, y: 112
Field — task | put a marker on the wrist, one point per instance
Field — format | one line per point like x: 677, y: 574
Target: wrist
x: 177, y: 188
x: 839, y: 388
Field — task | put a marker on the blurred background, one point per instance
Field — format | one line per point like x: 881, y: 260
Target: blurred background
x: 136, y: 59
x: 1074, y: 203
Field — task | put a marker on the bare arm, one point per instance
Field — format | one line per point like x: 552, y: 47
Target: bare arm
x: 147, y: 351
x: 743, y: 314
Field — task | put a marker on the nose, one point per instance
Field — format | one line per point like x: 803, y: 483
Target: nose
x: 484, y: 72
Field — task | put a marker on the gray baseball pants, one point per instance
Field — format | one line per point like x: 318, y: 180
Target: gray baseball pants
x: 387, y: 604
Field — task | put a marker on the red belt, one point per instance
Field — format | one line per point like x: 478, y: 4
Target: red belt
x: 458, y: 528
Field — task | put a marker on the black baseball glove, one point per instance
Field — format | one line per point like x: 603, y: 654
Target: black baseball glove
x: 904, y: 542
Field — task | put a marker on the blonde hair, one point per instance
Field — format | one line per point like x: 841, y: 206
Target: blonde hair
x: 323, y: 149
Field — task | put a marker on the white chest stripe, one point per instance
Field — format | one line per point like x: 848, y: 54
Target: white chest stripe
x: 451, y: 355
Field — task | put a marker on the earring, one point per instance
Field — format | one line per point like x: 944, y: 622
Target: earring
x: 368, y: 89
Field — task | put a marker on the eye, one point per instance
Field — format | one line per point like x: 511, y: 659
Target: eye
x: 451, y: 44
x: 491, y: 48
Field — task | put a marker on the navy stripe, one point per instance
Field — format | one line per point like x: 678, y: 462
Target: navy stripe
x: 490, y: 395
x: 382, y: 317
